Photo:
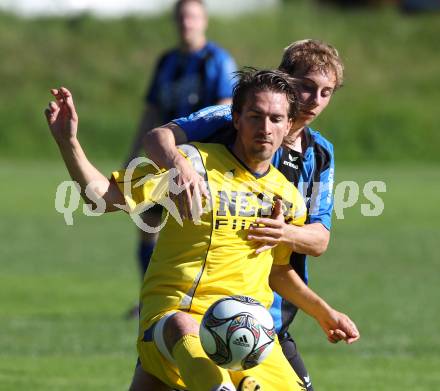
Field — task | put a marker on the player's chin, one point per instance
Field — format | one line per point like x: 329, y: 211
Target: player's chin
x: 264, y: 151
x: 306, y: 119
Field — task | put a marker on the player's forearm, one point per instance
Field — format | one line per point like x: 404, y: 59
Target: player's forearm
x: 84, y: 173
x: 286, y: 282
x: 160, y: 146
x: 310, y: 239
x: 336, y: 325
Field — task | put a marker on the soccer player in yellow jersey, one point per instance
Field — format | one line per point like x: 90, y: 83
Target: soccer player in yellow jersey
x: 194, y: 265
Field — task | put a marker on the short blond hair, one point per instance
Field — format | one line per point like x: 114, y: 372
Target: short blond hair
x: 312, y: 55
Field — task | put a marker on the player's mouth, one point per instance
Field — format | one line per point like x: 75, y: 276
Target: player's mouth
x: 262, y: 141
x: 308, y: 113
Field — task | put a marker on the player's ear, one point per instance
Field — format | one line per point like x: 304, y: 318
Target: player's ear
x: 235, y: 119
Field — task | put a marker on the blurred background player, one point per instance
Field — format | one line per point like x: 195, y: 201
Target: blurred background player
x: 196, y: 74
x: 306, y: 159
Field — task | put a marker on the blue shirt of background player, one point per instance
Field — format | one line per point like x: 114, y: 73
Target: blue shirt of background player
x: 185, y: 82
x: 312, y: 172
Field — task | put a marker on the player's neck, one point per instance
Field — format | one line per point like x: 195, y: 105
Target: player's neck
x: 293, y: 140
x: 254, y: 165
x: 194, y: 45
x: 257, y: 167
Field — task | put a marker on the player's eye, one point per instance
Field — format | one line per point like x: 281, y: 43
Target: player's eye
x: 326, y: 92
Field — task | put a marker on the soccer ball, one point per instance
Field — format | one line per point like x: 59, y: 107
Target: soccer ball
x: 237, y: 332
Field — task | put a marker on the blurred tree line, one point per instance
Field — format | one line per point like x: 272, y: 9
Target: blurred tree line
x: 387, y: 109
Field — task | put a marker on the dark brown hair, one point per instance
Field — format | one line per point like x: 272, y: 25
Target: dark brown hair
x: 253, y: 80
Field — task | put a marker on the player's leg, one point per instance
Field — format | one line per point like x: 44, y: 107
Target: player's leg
x: 181, y: 337
x: 147, y: 240
x: 290, y: 351
x: 143, y: 381
x: 274, y: 373
x: 171, y: 351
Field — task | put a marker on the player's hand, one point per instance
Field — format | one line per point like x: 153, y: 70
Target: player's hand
x: 61, y: 115
x: 339, y: 327
x: 272, y: 232
x: 192, y: 191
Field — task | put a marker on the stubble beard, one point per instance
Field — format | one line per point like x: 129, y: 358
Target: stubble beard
x: 261, y: 154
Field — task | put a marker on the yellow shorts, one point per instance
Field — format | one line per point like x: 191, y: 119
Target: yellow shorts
x: 273, y: 374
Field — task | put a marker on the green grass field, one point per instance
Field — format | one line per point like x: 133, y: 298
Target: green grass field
x: 64, y: 289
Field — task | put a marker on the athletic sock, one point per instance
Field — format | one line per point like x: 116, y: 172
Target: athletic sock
x: 198, y: 372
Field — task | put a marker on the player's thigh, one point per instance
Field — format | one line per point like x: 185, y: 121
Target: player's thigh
x: 274, y: 373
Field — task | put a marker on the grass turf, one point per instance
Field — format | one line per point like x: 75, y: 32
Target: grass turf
x: 64, y: 289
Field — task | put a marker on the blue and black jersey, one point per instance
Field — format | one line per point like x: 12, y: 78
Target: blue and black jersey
x: 186, y: 82
x: 312, y: 172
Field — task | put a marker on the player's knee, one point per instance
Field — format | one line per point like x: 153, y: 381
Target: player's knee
x: 177, y: 326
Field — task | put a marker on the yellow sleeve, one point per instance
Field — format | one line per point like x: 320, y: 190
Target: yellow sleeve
x: 142, y: 186
x: 299, y: 210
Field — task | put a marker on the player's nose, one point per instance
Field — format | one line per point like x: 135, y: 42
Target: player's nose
x: 266, y: 126
x: 316, y: 99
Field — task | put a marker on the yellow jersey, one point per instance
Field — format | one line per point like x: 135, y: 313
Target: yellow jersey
x: 195, y: 264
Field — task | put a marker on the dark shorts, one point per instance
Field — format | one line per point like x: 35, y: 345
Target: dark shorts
x: 290, y: 351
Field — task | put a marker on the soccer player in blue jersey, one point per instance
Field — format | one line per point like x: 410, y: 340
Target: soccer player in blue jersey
x: 196, y: 74
x: 306, y: 159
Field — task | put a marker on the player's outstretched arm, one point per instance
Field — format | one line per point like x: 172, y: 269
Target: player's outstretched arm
x: 63, y: 122
x: 161, y: 147
x: 336, y: 325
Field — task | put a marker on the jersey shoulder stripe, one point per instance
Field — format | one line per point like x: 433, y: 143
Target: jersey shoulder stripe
x: 318, y: 138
